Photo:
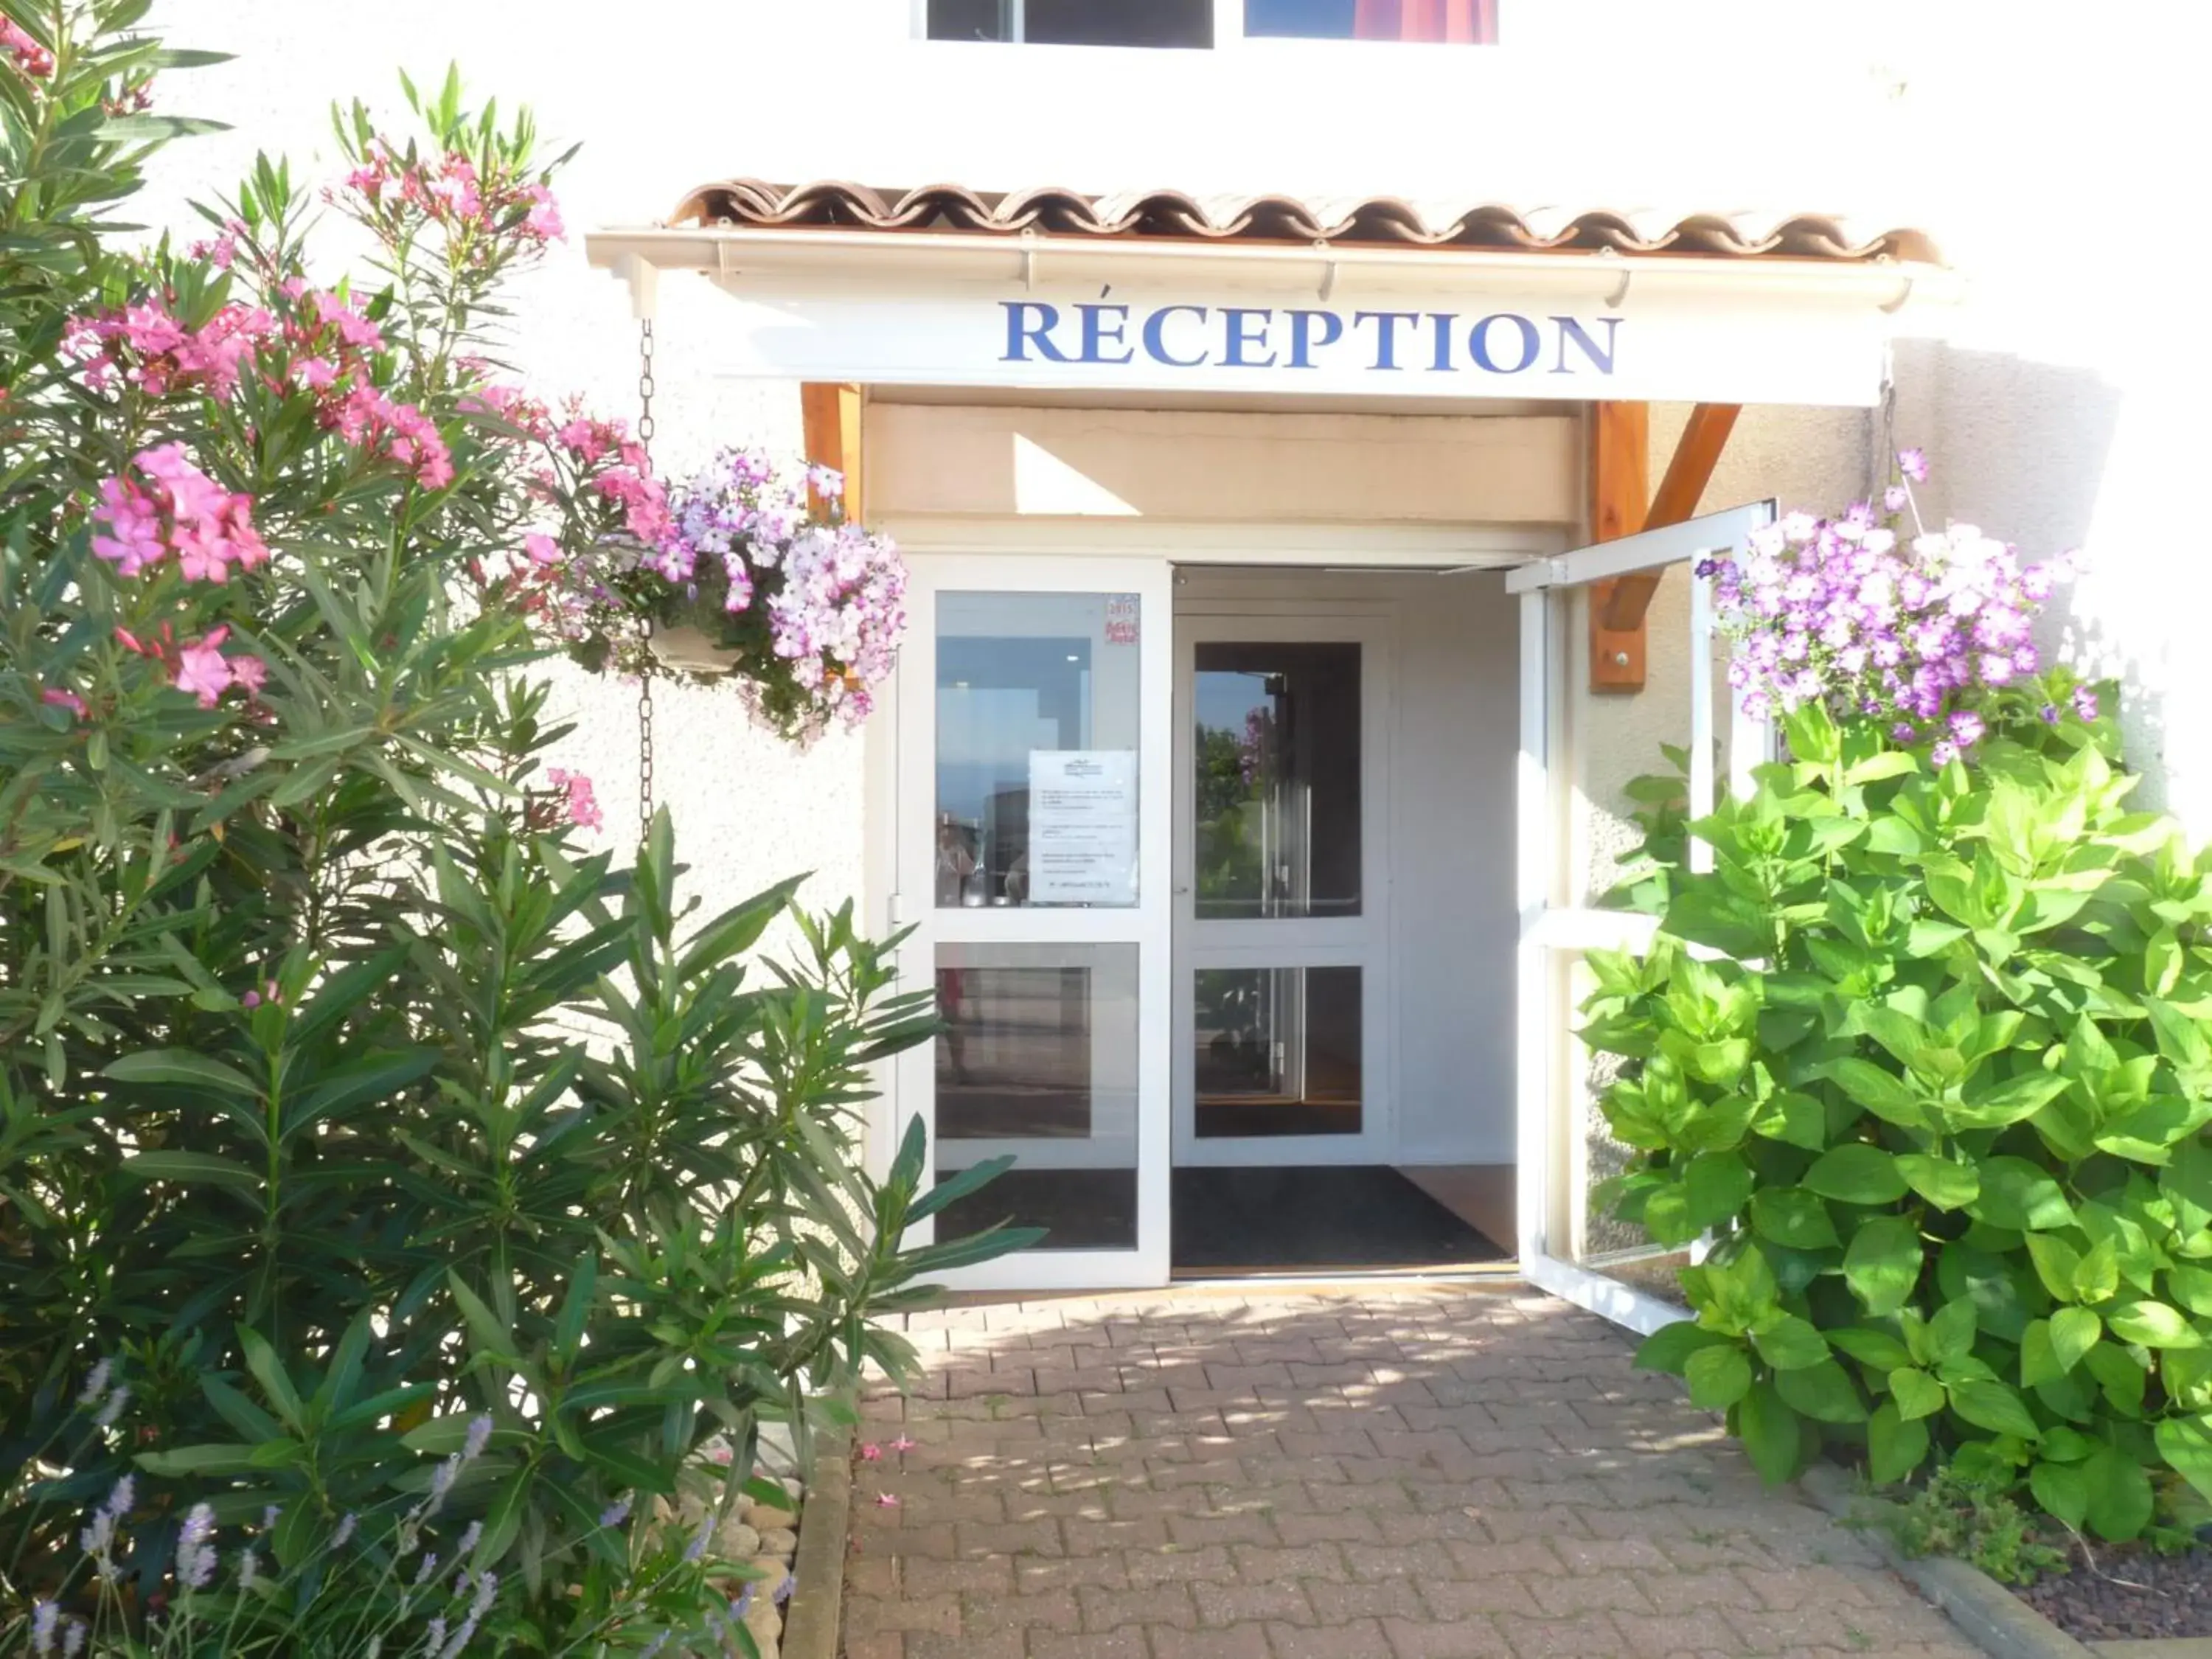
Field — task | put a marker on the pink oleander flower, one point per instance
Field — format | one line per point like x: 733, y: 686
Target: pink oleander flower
x: 581, y: 803
x: 902, y: 1445
x: 171, y: 506
x: 33, y: 59
x: 203, y: 669
x: 870, y: 1452
x: 543, y: 218
x: 55, y: 697
x: 887, y: 1500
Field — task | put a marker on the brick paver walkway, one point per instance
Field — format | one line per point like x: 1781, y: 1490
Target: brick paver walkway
x: 1400, y: 1474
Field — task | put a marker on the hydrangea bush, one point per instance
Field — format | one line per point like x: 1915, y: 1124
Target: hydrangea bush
x: 327, y: 1247
x: 804, y: 606
x: 1938, y: 1088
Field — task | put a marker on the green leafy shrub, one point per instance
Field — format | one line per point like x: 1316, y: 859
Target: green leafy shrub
x: 384, y: 1175
x: 1926, y: 1052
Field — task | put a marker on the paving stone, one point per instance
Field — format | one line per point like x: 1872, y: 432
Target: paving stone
x: 1423, y: 1473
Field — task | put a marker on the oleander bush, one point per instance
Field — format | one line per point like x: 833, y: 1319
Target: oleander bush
x: 1927, y: 1052
x: 398, y: 1192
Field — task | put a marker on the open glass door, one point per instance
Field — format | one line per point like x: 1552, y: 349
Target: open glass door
x: 1590, y: 762
x: 1033, y: 800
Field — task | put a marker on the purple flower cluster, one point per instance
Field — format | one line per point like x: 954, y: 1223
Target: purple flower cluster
x: 833, y: 593
x: 1850, y: 612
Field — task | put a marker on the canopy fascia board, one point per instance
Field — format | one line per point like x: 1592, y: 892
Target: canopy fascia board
x: 742, y: 259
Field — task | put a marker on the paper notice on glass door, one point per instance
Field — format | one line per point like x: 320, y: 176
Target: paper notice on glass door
x: 1082, y: 826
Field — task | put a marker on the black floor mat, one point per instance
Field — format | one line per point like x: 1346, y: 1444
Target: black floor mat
x: 1357, y: 1216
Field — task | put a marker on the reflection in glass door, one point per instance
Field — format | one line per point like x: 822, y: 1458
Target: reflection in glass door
x: 1032, y: 816
x: 1279, y: 903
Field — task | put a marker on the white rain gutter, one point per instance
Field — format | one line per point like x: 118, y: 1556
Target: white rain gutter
x: 746, y: 259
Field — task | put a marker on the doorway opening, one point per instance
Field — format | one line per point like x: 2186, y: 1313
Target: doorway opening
x: 1337, y: 1106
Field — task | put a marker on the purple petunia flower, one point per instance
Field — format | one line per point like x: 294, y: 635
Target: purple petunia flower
x: 1913, y: 464
x: 2085, y: 702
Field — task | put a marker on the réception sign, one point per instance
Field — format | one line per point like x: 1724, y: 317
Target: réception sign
x: 1760, y: 348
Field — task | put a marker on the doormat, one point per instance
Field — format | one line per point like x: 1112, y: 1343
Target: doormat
x: 1355, y: 1216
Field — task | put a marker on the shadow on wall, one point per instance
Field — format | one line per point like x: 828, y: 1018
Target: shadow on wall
x: 2034, y: 451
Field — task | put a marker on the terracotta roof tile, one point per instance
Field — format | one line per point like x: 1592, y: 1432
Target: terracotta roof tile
x: 1371, y: 220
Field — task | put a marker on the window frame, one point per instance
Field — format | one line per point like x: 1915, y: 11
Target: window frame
x: 1228, y: 33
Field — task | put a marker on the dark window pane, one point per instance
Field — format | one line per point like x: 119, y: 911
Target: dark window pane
x: 1119, y: 23
x: 971, y: 20
x: 1038, y: 1059
x: 1276, y: 795
x: 1279, y: 1051
x: 1303, y: 19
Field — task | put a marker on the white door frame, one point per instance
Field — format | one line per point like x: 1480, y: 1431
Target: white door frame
x: 1144, y: 925
x: 1363, y: 941
x: 1553, y: 929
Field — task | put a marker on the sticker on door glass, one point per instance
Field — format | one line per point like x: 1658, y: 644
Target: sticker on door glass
x: 1082, y: 826
x: 1120, y: 619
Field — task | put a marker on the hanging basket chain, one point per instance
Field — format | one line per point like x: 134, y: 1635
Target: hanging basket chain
x: 645, y: 429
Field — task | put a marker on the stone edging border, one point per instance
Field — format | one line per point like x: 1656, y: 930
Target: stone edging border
x: 1987, y: 1613
x: 812, y: 1624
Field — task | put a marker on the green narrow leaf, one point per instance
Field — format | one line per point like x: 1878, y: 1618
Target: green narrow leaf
x: 182, y: 1066
x: 192, y: 1169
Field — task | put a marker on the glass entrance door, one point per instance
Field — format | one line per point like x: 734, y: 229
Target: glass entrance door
x: 1281, y: 896
x: 1589, y: 763
x: 1033, y: 795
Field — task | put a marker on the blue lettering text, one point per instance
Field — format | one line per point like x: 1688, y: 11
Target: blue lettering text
x: 1156, y: 346
x: 1021, y: 333
x: 1478, y: 341
x: 1238, y: 339
x: 1599, y: 359
x: 1097, y: 335
x: 1302, y: 341
x: 1386, y: 332
x: 1441, y: 322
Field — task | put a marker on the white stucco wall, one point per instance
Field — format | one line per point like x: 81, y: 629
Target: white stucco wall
x: 2038, y: 143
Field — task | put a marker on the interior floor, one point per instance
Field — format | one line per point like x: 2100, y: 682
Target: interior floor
x: 1333, y: 1218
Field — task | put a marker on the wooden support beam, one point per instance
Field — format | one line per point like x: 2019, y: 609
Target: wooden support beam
x: 1696, y: 454
x: 1619, y: 485
x: 829, y: 418
x: 1617, y: 469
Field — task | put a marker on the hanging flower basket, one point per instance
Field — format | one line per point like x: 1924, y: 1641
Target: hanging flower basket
x: 743, y: 573
x: 688, y: 650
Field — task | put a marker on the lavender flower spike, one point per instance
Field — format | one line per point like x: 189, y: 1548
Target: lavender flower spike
x: 196, y: 1556
x: 95, y: 1383
x: 43, y: 1619
x: 480, y: 1429
x: 73, y: 1638
x: 697, y: 1547
x: 113, y: 1407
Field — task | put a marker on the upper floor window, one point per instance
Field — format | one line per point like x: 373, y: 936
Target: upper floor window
x: 1203, y: 22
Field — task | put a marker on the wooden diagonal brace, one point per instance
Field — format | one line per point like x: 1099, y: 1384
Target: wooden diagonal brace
x: 829, y: 418
x: 1618, y: 607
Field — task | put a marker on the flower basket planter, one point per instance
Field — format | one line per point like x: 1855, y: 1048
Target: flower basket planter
x: 689, y: 651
